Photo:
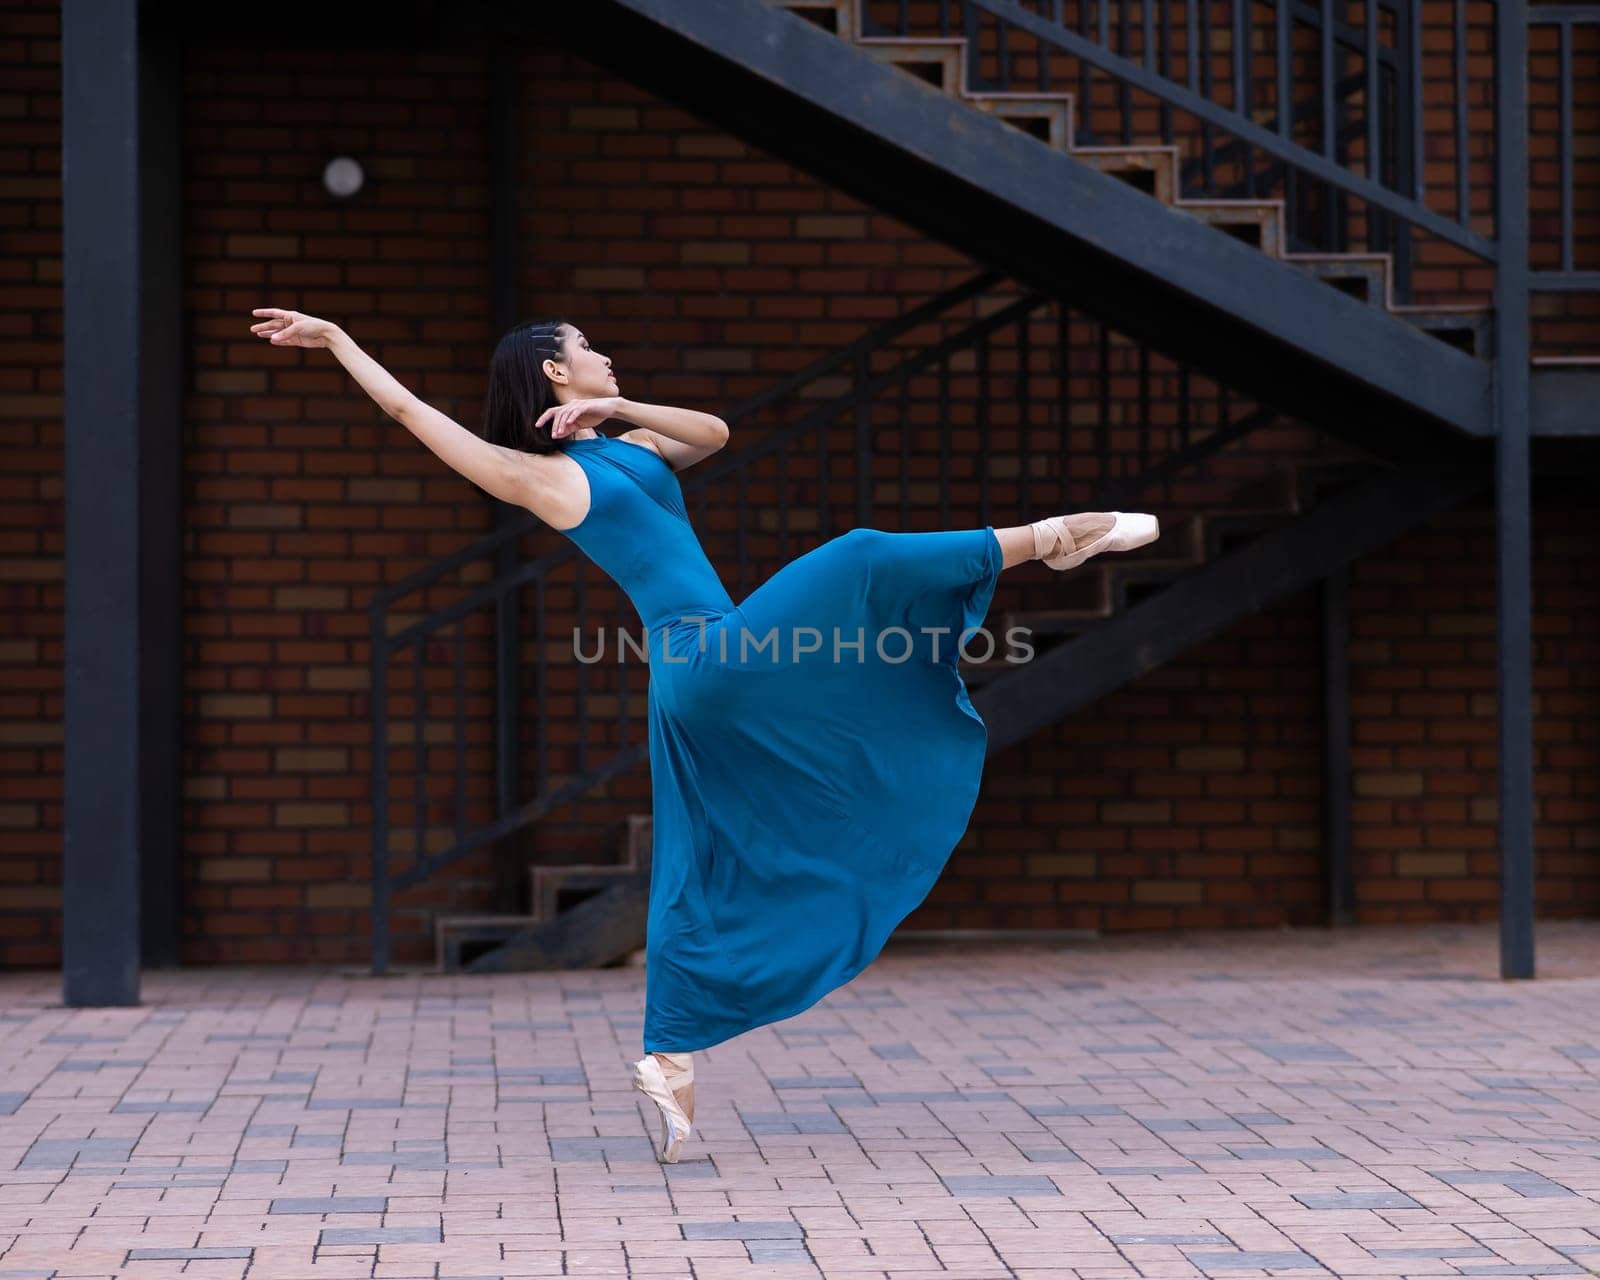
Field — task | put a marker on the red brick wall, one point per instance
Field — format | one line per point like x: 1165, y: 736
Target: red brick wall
x: 30, y: 484
x: 706, y: 270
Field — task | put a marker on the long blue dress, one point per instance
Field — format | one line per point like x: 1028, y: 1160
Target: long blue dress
x: 803, y: 803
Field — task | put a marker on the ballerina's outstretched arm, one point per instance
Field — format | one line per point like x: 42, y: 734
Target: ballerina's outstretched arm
x: 494, y: 469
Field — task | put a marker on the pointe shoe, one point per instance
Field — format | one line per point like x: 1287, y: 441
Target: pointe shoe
x: 1129, y: 529
x: 675, y: 1128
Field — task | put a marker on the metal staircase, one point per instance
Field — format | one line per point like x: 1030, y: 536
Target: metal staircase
x: 969, y: 121
x: 949, y: 64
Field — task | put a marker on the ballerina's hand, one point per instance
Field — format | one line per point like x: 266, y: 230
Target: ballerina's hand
x: 564, y: 419
x: 292, y: 329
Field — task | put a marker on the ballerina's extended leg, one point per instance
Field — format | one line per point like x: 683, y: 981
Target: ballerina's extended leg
x: 1064, y: 542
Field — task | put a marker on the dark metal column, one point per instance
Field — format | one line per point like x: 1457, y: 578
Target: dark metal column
x: 1336, y: 745
x: 1513, y: 506
x: 504, y: 106
x: 123, y: 330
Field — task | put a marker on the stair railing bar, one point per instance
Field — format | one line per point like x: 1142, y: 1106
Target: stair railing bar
x: 379, y: 785
x: 542, y: 769
x: 783, y: 507
x: 822, y: 485
x: 1463, y: 199
x: 1296, y: 154
x: 1102, y: 430
x: 461, y: 731
x: 1184, y: 426
x: 1044, y: 51
x: 982, y: 424
x: 580, y: 608
x: 1328, y: 101
x: 1374, y: 112
x: 863, y: 424
x: 1144, y: 406
x: 1024, y: 410
x: 1124, y: 92
x: 1207, y: 89
x: 903, y: 430
x: 1166, y: 62
x: 1082, y: 126
x: 419, y: 800
x: 1063, y: 395
x: 1564, y: 138
x: 970, y: 29
x: 742, y: 536
x: 1003, y: 58
x: 944, y: 442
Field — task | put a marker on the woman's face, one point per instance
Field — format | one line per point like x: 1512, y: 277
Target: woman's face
x: 587, y: 373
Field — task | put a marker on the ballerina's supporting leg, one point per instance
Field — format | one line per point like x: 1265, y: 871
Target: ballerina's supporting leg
x: 679, y: 1071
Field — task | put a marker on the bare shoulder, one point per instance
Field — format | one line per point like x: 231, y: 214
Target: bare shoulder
x: 648, y: 439
x: 554, y: 488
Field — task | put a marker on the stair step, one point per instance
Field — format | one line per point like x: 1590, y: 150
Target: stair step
x: 1225, y: 533
x: 1153, y: 170
x: 977, y: 674
x: 1048, y: 119
x: 1466, y: 327
x: 1364, y: 276
x: 458, y: 939
x: 1259, y: 223
x: 836, y: 16
x: 1272, y: 491
x: 1315, y: 481
x: 1056, y: 622
x: 937, y: 61
x: 602, y: 930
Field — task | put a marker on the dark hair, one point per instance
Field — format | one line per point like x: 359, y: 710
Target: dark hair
x: 518, y: 389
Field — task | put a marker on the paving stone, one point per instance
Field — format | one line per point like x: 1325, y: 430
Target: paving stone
x: 1356, y: 1200
x: 742, y: 1231
x: 380, y: 1235
x: 1371, y: 1102
x: 998, y: 1185
x: 330, y: 1204
x: 1260, y: 1259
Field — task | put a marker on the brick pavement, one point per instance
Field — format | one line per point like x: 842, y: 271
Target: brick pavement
x: 1367, y: 1103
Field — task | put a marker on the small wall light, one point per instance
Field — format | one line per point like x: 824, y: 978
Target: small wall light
x: 343, y: 177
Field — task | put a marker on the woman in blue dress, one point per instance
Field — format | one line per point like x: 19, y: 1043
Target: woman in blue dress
x: 814, y: 754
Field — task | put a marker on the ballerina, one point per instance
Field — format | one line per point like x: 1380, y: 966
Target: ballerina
x: 803, y: 801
